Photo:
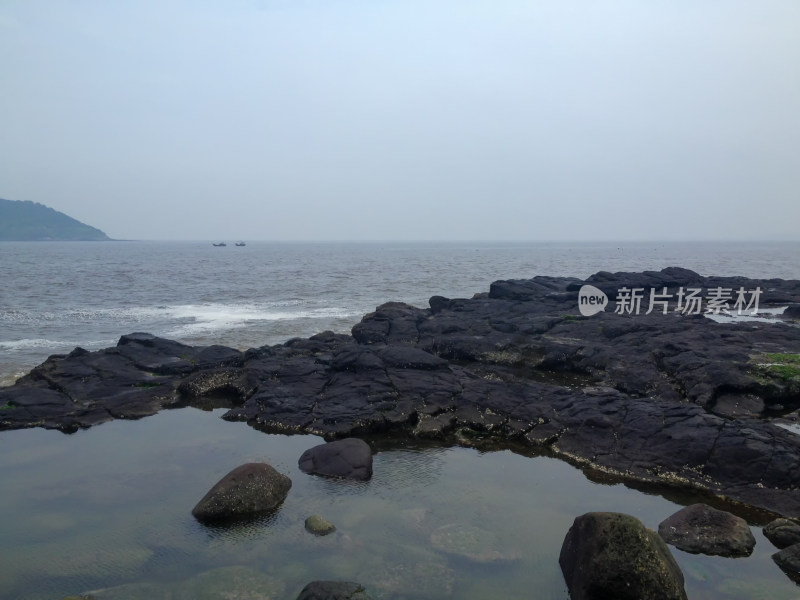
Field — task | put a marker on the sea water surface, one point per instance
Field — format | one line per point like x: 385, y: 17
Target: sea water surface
x: 55, y: 296
x: 110, y: 508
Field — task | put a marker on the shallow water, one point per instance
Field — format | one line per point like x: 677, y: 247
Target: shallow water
x: 109, y: 509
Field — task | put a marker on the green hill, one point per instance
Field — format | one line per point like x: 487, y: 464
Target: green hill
x: 26, y: 221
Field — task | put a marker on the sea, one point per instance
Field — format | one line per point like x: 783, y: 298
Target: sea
x: 55, y: 296
x: 107, y: 510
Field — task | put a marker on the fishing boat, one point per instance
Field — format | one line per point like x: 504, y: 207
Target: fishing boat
x: 221, y: 244
x: 241, y: 244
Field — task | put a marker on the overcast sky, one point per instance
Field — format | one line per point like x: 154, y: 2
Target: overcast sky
x: 406, y: 120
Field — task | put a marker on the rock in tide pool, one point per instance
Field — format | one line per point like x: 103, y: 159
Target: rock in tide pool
x: 472, y: 543
x: 318, y: 526
x: 333, y: 590
x: 788, y: 560
x: 231, y: 583
x: 701, y: 529
x: 349, y: 458
x: 228, y: 583
x: 249, y: 490
x: 782, y: 533
x: 613, y: 555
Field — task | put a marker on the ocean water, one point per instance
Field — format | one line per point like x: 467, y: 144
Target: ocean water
x: 109, y: 508
x: 56, y: 296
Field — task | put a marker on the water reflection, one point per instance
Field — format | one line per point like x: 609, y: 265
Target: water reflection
x: 109, y: 509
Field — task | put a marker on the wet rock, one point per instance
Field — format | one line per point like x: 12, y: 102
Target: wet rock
x: 249, y: 490
x: 318, y: 526
x: 788, y: 560
x: 230, y: 382
x: 782, y: 533
x: 659, y: 398
x: 333, y: 590
x: 613, y: 555
x: 701, y: 529
x: 470, y: 542
x: 349, y: 458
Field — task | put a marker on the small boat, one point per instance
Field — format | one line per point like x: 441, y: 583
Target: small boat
x: 241, y: 244
x: 221, y: 244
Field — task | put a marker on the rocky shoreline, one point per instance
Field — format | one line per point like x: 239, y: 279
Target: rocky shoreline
x: 666, y: 399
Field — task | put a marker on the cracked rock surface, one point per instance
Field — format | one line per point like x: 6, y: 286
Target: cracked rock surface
x: 670, y: 399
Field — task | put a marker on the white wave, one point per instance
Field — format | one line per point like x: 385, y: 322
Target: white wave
x: 138, y: 314
x: 793, y: 427
x: 182, y: 321
x: 212, y: 317
x: 53, y: 345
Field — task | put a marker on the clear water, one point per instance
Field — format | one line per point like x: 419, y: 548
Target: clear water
x: 110, y: 506
x: 109, y: 509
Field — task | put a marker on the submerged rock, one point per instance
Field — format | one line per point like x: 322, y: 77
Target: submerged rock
x: 782, y: 533
x: 318, y: 526
x: 470, y: 542
x: 701, y: 529
x: 228, y: 583
x: 231, y: 583
x: 333, y: 590
x: 424, y: 578
x: 613, y: 555
x: 249, y: 490
x: 788, y: 560
x: 349, y: 458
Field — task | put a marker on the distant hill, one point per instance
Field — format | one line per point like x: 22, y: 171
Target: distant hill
x: 26, y: 221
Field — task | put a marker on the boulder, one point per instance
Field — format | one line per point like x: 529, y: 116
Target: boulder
x: 333, y: 590
x: 788, y: 560
x: 701, y: 529
x: 782, y: 533
x: 318, y: 526
x: 613, y: 555
x: 349, y: 458
x: 249, y: 490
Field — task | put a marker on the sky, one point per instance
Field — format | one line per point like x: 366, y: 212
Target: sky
x: 406, y: 120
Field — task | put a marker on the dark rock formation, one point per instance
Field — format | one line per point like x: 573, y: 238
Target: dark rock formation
x: 249, y: 490
x: 669, y: 399
x: 333, y: 590
x: 792, y: 311
x: 788, y: 560
x: 701, y: 529
x: 782, y: 533
x: 612, y: 555
x: 349, y: 458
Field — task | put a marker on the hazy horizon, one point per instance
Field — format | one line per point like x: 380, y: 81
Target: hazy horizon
x: 407, y: 121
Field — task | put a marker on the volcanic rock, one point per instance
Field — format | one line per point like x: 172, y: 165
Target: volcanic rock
x: 249, y: 490
x: 701, y: 529
x: 613, y: 555
x: 349, y: 458
x: 782, y: 533
x: 333, y: 590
